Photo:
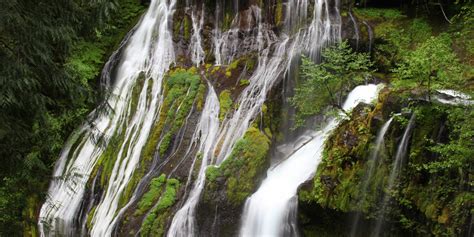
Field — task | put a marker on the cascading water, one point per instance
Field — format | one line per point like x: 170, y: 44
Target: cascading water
x: 396, y: 168
x: 371, y: 35
x: 374, y: 161
x: 252, y: 98
x: 250, y: 103
x: 149, y: 50
x: 183, y: 223
x: 356, y: 29
x: 197, y: 52
x: 268, y: 210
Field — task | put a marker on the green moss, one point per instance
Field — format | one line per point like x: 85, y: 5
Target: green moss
x: 201, y: 96
x: 137, y: 88
x: 279, y: 13
x: 240, y: 169
x: 154, y: 223
x: 244, y: 82
x: 379, y: 13
x: 187, y: 28
x: 165, y: 142
x: 90, y: 216
x: 212, y: 173
x: 225, y: 101
x: 154, y: 192
x: 181, y: 88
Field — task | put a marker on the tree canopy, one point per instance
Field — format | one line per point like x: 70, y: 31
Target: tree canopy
x: 325, y: 84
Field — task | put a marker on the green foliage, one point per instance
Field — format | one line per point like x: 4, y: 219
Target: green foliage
x: 212, y: 173
x: 379, y: 13
x: 325, y: 83
x: 51, y: 54
x: 430, y: 188
x: 432, y: 65
x: 398, y: 38
x: 458, y: 154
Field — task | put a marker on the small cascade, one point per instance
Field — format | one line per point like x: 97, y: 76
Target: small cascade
x: 136, y: 134
x: 453, y: 97
x: 371, y: 35
x: 241, y: 35
x: 270, y: 210
x: 356, y: 29
x: 184, y: 221
x: 271, y: 64
x: 252, y: 98
x: 197, y: 52
x: 373, y: 162
x: 296, y: 15
x: 322, y: 29
x: 396, y: 168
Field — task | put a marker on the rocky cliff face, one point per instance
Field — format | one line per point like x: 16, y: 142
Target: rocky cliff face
x: 218, y: 47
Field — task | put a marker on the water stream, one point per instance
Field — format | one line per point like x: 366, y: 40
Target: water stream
x: 373, y: 163
x: 184, y: 221
x: 149, y: 51
x: 268, y: 211
x: 396, y: 168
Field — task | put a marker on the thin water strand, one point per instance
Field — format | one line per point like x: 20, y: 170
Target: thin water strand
x: 373, y: 161
x: 396, y: 168
x: 184, y: 221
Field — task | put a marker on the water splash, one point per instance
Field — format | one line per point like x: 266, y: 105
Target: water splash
x: 268, y: 211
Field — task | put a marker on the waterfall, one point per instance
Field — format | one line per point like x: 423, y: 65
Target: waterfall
x: 183, y: 223
x: 373, y: 162
x: 267, y: 210
x: 273, y: 60
x: 296, y: 13
x: 197, y: 52
x: 396, y: 168
x: 356, y: 29
x: 149, y: 50
x: 371, y: 35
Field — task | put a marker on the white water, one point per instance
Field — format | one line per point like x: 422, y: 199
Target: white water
x: 373, y: 162
x: 273, y: 60
x: 453, y: 97
x: 184, y: 221
x: 371, y: 35
x: 267, y: 210
x: 149, y: 50
x: 356, y: 29
x: 197, y: 52
x: 218, y: 148
x: 396, y: 168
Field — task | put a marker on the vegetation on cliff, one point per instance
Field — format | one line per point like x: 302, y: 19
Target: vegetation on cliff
x: 327, y: 83
x: 432, y: 193
x: 52, y: 53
